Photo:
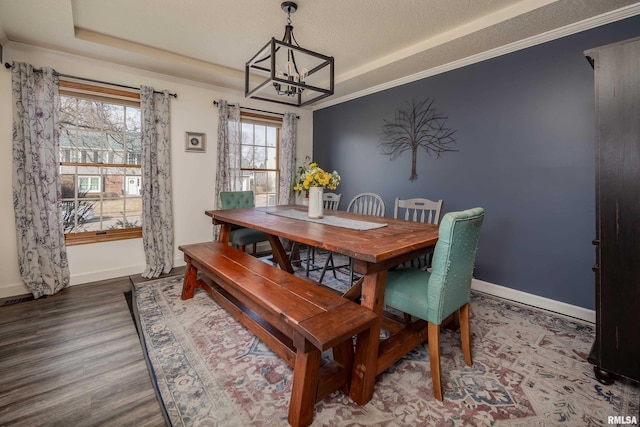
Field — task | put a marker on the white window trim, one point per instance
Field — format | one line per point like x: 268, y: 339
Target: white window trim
x: 90, y: 178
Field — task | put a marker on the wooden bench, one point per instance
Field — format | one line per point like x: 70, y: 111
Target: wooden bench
x: 296, y: 318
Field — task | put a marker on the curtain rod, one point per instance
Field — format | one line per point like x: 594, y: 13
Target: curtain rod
x: 216, y: 103
x: 7, y: 66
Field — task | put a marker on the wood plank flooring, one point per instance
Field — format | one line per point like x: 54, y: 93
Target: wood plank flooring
x: 74, y: 359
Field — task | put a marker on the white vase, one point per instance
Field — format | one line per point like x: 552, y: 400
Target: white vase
x: 315, y: 203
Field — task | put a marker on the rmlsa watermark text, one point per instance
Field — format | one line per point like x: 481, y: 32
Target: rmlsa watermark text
x: 622, y: 420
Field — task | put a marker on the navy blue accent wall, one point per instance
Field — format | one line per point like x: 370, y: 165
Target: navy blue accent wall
x: 525, y: 131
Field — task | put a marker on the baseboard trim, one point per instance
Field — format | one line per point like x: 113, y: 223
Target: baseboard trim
x: 11, y: 290
x: 534, y: 300
x: 14, y: 289
x: 94, y: 276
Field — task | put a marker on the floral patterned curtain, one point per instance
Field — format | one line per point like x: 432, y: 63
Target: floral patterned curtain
x: 287, y: 158
x: 228, y: 175
x: 42, y: 255
x: 157, y: 211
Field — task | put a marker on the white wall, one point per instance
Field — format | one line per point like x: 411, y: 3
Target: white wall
x: 193, y: 174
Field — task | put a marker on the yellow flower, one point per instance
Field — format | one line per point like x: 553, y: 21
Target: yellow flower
x: 314, y: 176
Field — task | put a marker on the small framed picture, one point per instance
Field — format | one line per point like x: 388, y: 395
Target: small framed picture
x: 195, y: 142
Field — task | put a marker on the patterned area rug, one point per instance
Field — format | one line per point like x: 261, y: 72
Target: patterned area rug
x: 529, y: 369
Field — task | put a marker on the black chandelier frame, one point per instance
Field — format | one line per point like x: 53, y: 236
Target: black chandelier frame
x: 292, y: 94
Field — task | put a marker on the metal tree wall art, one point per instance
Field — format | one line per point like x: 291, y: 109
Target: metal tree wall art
x: 420, y: 125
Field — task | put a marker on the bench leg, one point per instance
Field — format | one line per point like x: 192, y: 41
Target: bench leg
x: 190, y: 277
x: 343, y: 354
x: 305, y: 382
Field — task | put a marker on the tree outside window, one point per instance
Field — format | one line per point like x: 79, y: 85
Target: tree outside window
x: 100, y: 166
x: 259, y: 163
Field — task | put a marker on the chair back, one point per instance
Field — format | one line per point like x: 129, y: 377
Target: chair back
x: 453, y: 260
x: 331, y: 201
x: 236, y: 199
x: 367, y: 204
x: 418, y: 210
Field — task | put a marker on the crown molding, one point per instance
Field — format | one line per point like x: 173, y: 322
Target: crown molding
x: 577, y: 27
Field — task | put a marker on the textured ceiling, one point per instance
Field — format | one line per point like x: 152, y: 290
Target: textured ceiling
x: 374, y: 42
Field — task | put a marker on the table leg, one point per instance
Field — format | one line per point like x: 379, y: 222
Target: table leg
x: 225, y: 233
x: 366, y: 358
x: 279, y: 254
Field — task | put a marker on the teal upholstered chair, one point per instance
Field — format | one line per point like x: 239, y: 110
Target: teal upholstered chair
x: 434, y: 296
x: 240, y: 236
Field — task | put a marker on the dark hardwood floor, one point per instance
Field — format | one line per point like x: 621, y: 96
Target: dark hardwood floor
x: 74, y: 359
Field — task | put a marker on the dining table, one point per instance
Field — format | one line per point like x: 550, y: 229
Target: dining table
x: 375, y: 245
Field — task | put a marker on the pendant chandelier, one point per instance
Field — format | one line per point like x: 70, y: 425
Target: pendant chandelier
x: 286, y: 73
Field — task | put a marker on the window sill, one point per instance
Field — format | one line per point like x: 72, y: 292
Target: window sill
x: 102, y: 236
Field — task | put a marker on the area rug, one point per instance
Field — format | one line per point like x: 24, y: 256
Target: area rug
x: 529, y: 369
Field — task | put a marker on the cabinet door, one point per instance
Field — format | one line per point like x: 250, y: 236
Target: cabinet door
x: 618, y: 150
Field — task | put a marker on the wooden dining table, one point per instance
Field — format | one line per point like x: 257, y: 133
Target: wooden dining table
x: 373, y: 251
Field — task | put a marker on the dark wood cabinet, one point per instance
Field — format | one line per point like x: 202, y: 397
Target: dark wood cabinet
x: 616, y: 350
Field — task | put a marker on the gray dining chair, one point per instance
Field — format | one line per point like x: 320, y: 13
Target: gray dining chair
x: 418, y: 210
x: 366, y: 204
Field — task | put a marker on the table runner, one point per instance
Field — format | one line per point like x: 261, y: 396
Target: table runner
x: 330, y: 220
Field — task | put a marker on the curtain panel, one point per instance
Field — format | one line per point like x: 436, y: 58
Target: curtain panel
x: 157, y: 209
x: 228, y: 173
x: 287, y: 159
x: 42, y: 254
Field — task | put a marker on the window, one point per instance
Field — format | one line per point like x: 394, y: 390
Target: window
x: 100, y: 163
x: 259, y: 165
x: 88, y: 184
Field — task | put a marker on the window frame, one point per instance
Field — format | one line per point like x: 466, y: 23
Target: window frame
x: 89, y: 179
x: 265, y: 120
x: 81, y: 90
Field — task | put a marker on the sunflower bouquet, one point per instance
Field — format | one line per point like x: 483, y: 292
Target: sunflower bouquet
x: 314, y: 176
